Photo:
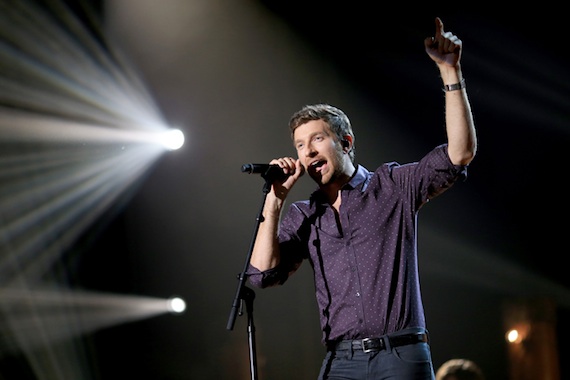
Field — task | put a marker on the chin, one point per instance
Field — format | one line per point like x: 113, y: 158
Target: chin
x: 324, y: 181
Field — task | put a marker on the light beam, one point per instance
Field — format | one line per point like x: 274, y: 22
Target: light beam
x: 78, y: 132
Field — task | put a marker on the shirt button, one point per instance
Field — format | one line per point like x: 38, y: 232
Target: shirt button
x: 358, y: 294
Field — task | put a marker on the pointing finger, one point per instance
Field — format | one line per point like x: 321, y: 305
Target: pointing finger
x: 438, y: 28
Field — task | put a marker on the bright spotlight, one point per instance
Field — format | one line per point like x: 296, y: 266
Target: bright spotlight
x: 172, y: 139
x: 176, y: 305
x: 512, y: 336
x: 515, y: 336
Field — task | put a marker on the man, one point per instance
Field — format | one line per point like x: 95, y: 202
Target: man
x: 358, y: 232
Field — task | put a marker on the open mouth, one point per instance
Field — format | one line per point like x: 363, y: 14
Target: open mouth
x: 317, y: 166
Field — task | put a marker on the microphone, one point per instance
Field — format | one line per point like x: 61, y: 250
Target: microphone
x: 267, y: 171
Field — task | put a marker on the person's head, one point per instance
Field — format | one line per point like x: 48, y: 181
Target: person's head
x: 336, y: 119
x: 459, y: 369
x: 323, y: 138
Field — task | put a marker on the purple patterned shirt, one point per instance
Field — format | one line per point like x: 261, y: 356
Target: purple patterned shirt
x: 365, y: 261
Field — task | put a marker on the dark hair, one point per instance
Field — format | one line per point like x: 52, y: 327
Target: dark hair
x: 459, y: 369
x: 337, y: 121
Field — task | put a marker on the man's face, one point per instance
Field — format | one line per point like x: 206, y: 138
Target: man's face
x: 319, y: 151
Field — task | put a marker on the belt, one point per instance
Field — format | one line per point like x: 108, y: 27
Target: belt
x: 379, y: 344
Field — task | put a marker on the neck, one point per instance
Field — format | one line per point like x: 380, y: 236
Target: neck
x: 333, y: 188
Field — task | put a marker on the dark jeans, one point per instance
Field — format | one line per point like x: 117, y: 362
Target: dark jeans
x: 410, y: 362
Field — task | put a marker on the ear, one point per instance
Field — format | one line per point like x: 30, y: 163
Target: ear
x: 347, y: 143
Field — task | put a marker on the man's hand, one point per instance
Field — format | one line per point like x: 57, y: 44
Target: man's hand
x: 445, y: 47
x: 293, y: 168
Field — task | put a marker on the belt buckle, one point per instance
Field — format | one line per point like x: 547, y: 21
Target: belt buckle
x: 373, y: 347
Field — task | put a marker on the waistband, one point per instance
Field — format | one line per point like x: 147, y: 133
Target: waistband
x: 381, y: 343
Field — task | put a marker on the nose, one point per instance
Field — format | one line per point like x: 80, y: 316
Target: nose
x: 309, y: 150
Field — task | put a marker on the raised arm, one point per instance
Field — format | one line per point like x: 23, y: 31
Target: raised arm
x: 265, y: 254
x: 445, y: 50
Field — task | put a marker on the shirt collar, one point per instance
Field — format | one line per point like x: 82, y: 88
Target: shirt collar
x: 359, y: 177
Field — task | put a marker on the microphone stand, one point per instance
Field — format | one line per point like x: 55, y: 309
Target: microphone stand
x: 244, y: 293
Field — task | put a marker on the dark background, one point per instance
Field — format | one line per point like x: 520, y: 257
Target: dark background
x: 229, y: 76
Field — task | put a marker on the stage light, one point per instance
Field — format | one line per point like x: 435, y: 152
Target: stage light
x: 513, y: 336
x: 172, y: 139
x: 176, y: 305
x: 79, y: 131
